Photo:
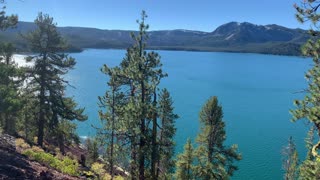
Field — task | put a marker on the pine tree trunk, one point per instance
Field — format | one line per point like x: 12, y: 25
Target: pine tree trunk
x: 142, y: 136
x: 134, y: 160
x: 61, y: 143
x: 112, y: 136
x: 41, y: 117
x: 26, y: 125
x: 142, y: 121
x: 154, y: 139
x: 6, y: 123
x: 9, y: 124
x: 42, y: 103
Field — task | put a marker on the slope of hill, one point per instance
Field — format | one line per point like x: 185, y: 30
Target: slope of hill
x: 14, y: 165
x: 230, y: 37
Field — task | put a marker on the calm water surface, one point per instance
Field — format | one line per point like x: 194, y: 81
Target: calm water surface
x: 256, y: 92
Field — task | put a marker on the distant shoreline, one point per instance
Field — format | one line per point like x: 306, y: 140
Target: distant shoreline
x: 20, y: 60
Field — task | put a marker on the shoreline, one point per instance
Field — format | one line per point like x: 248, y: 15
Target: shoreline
x: 20, y: 60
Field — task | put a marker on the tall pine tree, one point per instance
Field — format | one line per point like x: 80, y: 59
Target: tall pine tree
x: 50, y: 64
x: 145, y: 123
x: 309, y: 107
x: 214, y: 159
x: 9, y: 100
x: 112, y: 102
x: 10, y: 81
x: 165, y: 143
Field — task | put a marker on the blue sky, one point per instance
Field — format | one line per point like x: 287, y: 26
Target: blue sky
x: 204, y: 15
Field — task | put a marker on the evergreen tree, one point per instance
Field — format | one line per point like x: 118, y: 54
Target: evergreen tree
x: 112, y: 102
x: 290, y: 161
x: 145, y: 71
x: 310, y: 167
x: 214, y: 159
x: 166, y: 145
x: 185, y: 163
x: 92, y: 146
x: 309, y: 107
x: 7, y: 21
x: 135, y: 119
x: 50, y: 64
x: 141, y: 73
x: 9, y: 101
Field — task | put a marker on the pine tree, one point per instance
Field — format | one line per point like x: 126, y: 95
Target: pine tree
x: 133, y: 115
x: 7, y: 21
x: 112, y: 101
x: 214, y: 159
x: 50, y: 64
x: 185, y: 163
x: 141, y: 72
x: 92, y: 149
x: 290, y: 161
x: 310, y: 167
x: 9, y: 101
x: 166, y: 145
x: 10, y: 81
x: 309, y: 107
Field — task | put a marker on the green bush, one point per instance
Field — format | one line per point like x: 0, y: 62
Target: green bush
x: 66, y: 165
x: 70, y: 166
x: 28, y: 153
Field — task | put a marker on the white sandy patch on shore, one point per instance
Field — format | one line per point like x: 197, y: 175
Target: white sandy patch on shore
x: 20, y: 60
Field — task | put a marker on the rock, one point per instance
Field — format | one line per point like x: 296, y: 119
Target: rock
x: 46, y: 175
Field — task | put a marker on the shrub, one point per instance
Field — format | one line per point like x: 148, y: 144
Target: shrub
x: 118, y: 178
x: 98, y: 168
x: 88, y: 174
x: 35, y: 140
x: 28, y: 153
x: 22, y: 144
x: 70, y: 155
x: 37, y: 149
x: 66, y: 165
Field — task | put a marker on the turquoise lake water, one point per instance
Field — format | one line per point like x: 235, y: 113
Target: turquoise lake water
x: 256, y: 92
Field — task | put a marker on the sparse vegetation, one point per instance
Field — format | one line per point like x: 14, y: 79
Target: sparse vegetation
x: 66, y: 165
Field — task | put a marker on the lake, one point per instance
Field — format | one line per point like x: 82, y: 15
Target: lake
x: 256, y: 92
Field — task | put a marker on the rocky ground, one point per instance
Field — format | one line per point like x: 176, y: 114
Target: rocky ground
x: 14, y: 165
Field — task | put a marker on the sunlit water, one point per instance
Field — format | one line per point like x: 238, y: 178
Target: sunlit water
x: 256, y: 92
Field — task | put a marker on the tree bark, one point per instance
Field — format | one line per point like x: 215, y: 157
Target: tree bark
x: 154, y: 154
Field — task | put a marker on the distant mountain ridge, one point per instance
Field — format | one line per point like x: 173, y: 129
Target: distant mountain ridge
x: 230, y: 37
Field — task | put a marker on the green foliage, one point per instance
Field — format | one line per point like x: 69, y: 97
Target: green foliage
x: 290, y: 161
x: 214, y: 159
x: 185, y: 163
x: 68, y: 131
x: 135, y: 125
x: 50, y: 65
x: 167, y: 132
x: 66, y: 165
x: 309, y: 107
x: 310, y: 170
x: 211, y: 159
x: 112, y: 102
x: 92, y: 148
x: 7, y: 21
x: 310, y: 167
x: 98, y: 168
x: 10, y: 80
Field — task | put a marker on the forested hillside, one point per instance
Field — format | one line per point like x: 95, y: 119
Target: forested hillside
x: 230, y: 37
